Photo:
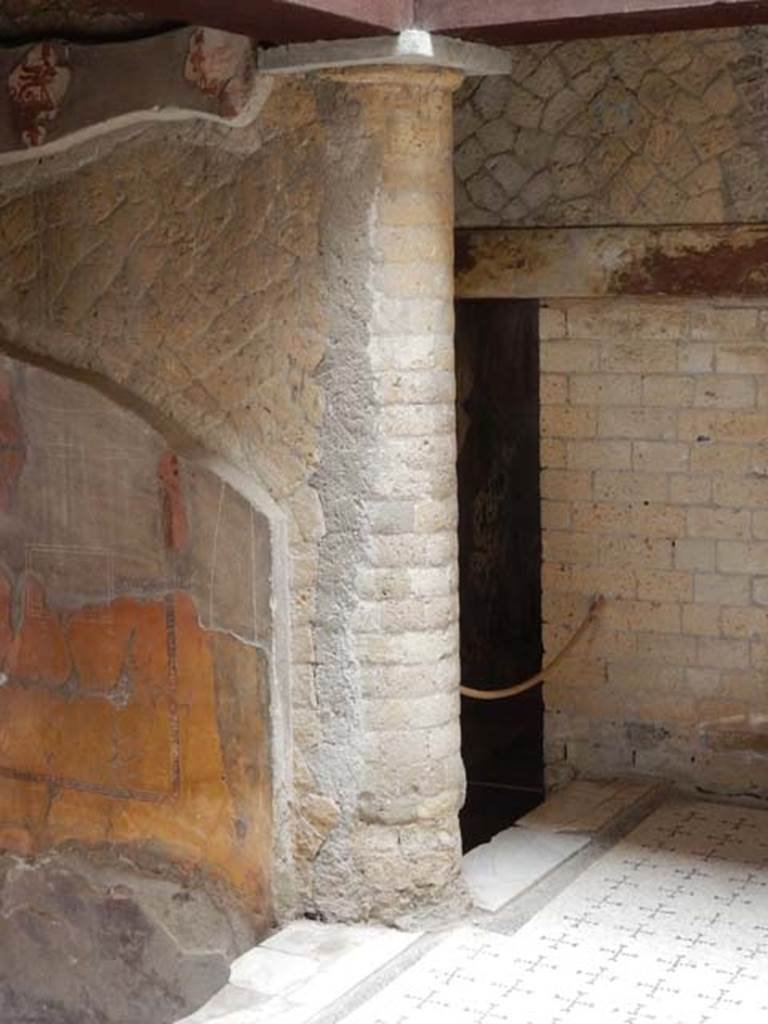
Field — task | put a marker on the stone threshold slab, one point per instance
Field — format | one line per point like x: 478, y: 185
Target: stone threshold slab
x: 300, y: 971
x: 566, y: 823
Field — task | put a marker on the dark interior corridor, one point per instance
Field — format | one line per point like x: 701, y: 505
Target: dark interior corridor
x: 497, y: 359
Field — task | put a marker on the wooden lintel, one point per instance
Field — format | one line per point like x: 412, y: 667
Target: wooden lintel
x: 499, y: 21
x: 492, y: 21
x: 693, y: 262
x: 287, y: 21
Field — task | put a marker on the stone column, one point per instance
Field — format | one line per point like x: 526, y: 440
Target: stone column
x: 390, y: 550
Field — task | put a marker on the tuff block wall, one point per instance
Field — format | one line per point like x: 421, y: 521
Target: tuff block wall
x: 669, y: 128
x: 653, y: 416
x: 654, y: 423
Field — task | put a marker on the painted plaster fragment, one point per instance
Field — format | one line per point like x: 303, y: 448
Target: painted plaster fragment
x: 220, y: 64
x: 37, y: 87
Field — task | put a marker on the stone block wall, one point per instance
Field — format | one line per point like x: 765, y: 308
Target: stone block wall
x: 654, y: 486
x: 630, y: 130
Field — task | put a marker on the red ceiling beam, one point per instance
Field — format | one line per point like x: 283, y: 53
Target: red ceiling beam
x: 511, y: 21
x: 494, y: 21
x: 286, y: 21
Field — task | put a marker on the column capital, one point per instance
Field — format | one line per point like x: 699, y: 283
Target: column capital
x: 413, y: 49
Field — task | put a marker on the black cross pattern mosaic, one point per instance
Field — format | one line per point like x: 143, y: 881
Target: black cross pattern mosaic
x: 670, y: 926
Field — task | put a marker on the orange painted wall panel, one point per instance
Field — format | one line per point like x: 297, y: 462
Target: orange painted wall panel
x: 126, y: 721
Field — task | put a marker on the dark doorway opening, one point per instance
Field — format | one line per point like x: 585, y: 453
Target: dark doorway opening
x: 497, y: 367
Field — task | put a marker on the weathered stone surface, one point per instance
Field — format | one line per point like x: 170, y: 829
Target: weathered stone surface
x: 405, y: 204
x: 746, y: 735
x: 227, y: 331
x: 612, y: 262
x: 645, y: 129
x: 85, y: 944
x: 651, y: 500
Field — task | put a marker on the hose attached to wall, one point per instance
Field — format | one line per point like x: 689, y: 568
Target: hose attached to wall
x: 513, y: 691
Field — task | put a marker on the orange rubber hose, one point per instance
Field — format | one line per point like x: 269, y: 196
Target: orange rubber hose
x: 513, y: 691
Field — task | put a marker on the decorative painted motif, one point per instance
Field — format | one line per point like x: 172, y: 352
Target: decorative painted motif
x: 37, y: 87
x: 11, y: 444
x: 221, y: 65
x: 174, y: 513
x: 173, y: 76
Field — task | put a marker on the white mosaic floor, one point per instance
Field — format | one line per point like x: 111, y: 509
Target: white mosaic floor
x: 669, y: 927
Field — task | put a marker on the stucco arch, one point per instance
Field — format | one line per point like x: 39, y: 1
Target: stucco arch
x: 165, y: 271
x: 269, y: 296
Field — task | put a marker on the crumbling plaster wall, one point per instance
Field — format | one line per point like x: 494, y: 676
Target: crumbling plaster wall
x: 637, y: 130
x: 135, y: 642
x: 135, y: 654
x: 281, y: 295
x: 159, y: 260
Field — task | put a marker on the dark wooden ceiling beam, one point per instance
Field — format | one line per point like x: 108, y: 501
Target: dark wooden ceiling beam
x: 493, y: 21
x: 286, y: 21
x: 512, y: 21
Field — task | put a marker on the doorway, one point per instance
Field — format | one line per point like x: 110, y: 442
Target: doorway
x: 497, y: 367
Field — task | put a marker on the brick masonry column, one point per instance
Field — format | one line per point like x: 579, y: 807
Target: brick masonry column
x: 397, y: 847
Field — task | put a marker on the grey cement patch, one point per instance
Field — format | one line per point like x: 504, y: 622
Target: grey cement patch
x: 103, y: 945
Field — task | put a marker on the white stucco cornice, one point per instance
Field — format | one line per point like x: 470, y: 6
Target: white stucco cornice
x: 410, y: 48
